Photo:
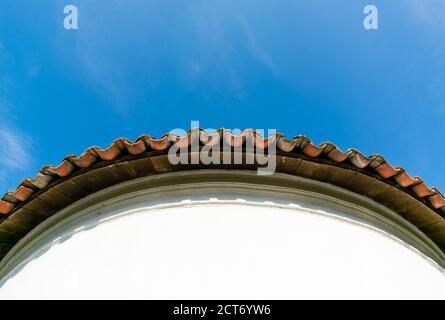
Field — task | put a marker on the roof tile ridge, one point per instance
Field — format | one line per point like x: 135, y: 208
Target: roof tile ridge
x: 145, y: 143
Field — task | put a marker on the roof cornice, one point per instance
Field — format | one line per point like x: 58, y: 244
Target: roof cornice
x: 55, y: 187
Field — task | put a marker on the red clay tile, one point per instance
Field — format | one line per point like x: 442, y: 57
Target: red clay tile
x: 210, y: 139
x: 438, y: 201
x: 358, y: 159
x: 158, y: 144
x: 22, y: 193
x: 234, y: 140
x: 6, y: 207
x: 85, y: 160
x: 422, y: 190
x: 404, y: 179
x: 111, y: 153
x: 135, y: 148
x: 63, y: 170
x: 336, y: 154
x: 123, y: 146
x: 386, y: 170
x: 286, y: 145
x: 312, y: 150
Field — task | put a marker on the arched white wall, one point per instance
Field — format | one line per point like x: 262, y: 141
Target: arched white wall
x: 243, y: 249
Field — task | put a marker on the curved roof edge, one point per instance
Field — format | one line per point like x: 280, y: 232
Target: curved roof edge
x: 55, y: 187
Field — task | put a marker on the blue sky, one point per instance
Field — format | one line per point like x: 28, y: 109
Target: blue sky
x: 301, y: 67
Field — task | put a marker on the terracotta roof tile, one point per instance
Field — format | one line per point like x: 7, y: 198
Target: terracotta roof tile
x: 437, y: 200
x: 22, y: 193
x: 299, y: 144
x: 6, y: 206
x: 358, y: 159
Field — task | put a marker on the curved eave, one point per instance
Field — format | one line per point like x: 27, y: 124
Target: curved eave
x: 56, y: 187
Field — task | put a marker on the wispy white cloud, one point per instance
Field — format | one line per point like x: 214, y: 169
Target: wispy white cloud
x: 15, y: 146
x: 428, y: 11
x: 257, y: 51
x: 428, y: 15
x: 128, y: 64
x: 15, y: 155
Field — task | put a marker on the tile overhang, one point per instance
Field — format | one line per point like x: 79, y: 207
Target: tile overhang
x: 55, y: 187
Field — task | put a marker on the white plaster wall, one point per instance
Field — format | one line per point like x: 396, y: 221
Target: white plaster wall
x: 227, y: 251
